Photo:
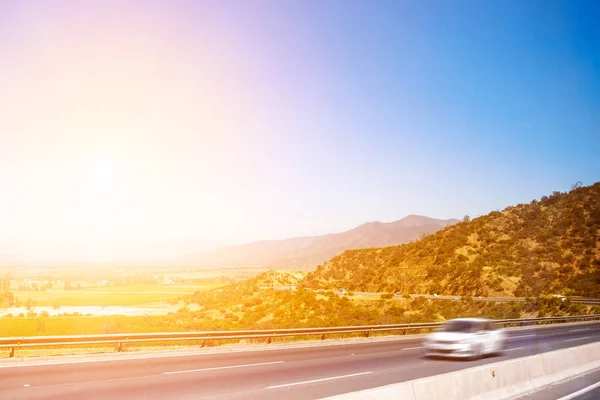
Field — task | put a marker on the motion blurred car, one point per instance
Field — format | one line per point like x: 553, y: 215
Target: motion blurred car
x: 469, y: 338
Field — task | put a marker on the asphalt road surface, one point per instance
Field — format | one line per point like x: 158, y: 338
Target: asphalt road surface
x: 290, y: 373
x: 583, y: 387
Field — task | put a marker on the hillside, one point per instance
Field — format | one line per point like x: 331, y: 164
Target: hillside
x: 547, y: 246
x: 275, y: 279
x: 308, y: 252
x: 249, y: 305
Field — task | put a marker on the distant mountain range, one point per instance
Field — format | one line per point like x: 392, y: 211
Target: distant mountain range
x: 309, y: 252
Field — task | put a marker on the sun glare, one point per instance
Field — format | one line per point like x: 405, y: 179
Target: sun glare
x: 103, y: 176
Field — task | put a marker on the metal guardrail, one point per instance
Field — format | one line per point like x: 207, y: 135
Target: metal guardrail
x: 121, y: 339
x: 586, y: 301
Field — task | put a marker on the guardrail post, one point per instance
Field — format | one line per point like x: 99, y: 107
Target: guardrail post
x: 12, y: 352
x: 323, y: 337
x: 203, y: 343
x: 269, y: 340
x: 120, y: 347
x: 367, y: 334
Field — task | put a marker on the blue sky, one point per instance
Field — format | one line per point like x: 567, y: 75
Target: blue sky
x: 276, y: 119
x: 443, y: 109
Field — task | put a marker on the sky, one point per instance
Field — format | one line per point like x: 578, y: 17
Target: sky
x: 135, y: 129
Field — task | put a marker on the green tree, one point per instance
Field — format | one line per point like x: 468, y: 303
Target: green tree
x: 29, y: 304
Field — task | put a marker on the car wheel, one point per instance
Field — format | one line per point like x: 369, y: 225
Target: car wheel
x: 499, y: 349
x: 477, y: 353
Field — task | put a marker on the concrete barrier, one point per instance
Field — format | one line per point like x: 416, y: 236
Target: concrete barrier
x: 498, y: 381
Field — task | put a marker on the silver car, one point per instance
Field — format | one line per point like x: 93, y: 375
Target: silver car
x: 465, y: 338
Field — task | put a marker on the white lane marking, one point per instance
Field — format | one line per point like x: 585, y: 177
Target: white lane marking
x: 516, y: 348
x: 318, y: 380
x: 579, y: 330
x: 412, y: 348
x: 580, y: 392
x: 579, y: 338
x: 26, y: 385
x: 225, y: 367
x: 522, y: 336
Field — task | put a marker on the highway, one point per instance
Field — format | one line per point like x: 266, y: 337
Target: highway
x: 581, y: 300
x: 584, y: 387
x: 306, y: 372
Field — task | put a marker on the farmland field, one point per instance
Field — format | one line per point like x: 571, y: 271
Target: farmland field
x: 128, y: 295
x: 89, y: 298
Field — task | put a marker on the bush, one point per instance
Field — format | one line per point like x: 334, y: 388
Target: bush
x: 183, y: 310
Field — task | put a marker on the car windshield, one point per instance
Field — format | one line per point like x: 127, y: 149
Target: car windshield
x: 458, y: 326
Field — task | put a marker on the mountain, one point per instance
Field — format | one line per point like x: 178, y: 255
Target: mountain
x: 308, y: 252
x: 149, y: 254
x: 550, y: 246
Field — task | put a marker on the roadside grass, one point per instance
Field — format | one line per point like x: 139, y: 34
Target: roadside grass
x: 87, y: 349
x: 83, y: 325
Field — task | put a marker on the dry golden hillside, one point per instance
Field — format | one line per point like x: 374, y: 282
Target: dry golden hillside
x: 277, y: 278
x: 551, y: 245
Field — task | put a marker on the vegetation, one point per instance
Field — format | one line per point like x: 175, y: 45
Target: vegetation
x: 91, y: 298
x: 7, y: 299
x: 261, y: 303
x: 124, y: 295
x: 246, y: 306
x: 544, y: 247
x: 77, y: 325
x: 271, y: 309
